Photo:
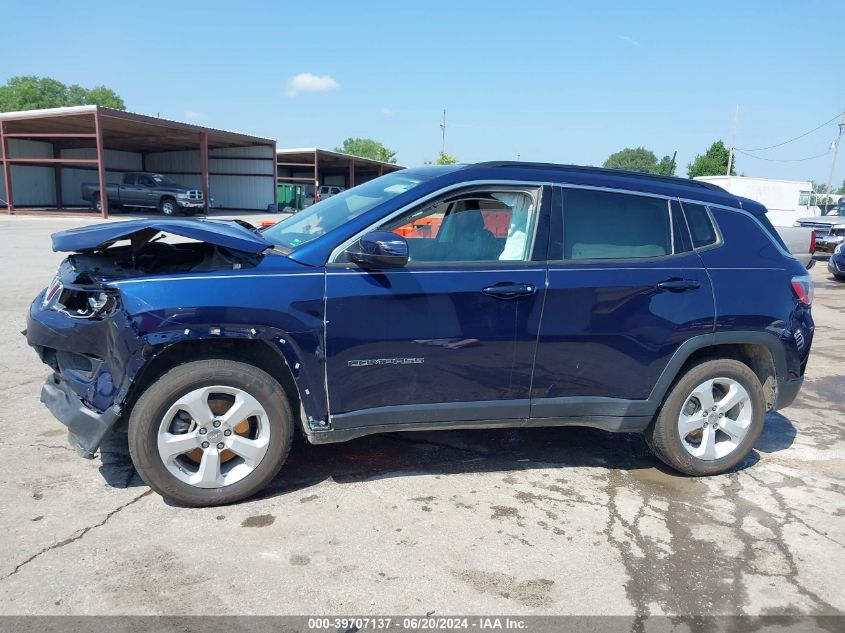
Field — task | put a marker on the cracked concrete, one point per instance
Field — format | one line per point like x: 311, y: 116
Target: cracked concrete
x: 534, y: 521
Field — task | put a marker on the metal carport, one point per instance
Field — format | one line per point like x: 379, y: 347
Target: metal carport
x: 313, y: 166
x: 45, y: 154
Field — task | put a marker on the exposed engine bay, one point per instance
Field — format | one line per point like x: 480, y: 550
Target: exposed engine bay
x: 78, y: 290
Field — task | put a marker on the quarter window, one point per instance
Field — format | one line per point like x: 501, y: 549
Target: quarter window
x: 472, y: 227
x: 701, y: 228
x: 603, y: 225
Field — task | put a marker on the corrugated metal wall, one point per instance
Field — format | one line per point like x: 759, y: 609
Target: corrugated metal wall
x: 237, y: 180
x: 240, y: 177
x: 73, y: 177
x: 32, y: 185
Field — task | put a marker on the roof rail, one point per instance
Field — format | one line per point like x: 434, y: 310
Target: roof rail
x: 673, y: 180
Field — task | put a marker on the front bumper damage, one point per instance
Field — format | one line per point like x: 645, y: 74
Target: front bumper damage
x: 86, y: 427
x: 93, y: 361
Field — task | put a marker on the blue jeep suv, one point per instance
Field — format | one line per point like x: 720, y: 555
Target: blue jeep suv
x: 450, y: 297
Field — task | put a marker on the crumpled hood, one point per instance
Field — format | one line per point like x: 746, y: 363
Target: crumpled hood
x: 226, y: 233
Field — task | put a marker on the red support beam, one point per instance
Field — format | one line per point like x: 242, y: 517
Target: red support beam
x: 350, y: 181
x: 49, y: 135
x: 275, y: 182
x: 101, y: 165
x: 57, y: 177
x: 53, y: 161
x: 204, y: 170
x: 7, y: 170
x: 300, y: 165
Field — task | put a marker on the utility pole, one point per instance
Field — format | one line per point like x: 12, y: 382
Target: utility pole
x: 672, y: 164
x: 733, y: 140
x: 835, y: 151
x: 443, y: 134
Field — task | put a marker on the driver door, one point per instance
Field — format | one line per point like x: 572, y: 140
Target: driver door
x: 451, y: 336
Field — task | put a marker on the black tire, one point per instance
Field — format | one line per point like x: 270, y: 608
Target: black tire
x: 665, y: 440
x: 839, y: 277
x: 168, y: 206
x: 96, y: 204
x: 153, y: 404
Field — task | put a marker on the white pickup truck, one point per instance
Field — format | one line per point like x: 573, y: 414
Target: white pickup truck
x: 800, y: 241
x: 829, y: 229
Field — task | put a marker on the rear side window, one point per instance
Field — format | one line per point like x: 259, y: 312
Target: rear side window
x: 701, y: 228
x: 602, y: 225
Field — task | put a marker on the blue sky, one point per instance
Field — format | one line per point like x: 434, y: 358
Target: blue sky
x: 550, y: 81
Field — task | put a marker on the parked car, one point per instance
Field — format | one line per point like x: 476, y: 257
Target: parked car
x: 800, y: 241
x: 146, y: 190
x: 836, y: 263
x: 327, y: 191
x: 597, y: 307
x: 829, y: 229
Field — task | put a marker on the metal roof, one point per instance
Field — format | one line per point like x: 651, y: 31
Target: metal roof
x: 123, y: 130
x: 325, y: 153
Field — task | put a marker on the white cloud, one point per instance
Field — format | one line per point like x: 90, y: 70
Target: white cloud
x: 190, y: 115
x: 307, y: 82
x: 629, y: 40
x: 386, y: 112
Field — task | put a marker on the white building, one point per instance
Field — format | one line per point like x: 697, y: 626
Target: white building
x: 786, y: 200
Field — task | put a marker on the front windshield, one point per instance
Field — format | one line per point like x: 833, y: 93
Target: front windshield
x: 322, y: 217
x: 163, y: 181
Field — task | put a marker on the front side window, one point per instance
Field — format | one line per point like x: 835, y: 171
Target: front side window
x: 489, y: 225
x: 701, y: 228
x: 602, y: 225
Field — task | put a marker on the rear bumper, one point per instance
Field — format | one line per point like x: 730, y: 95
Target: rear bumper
x: 787, y: 392
x: 86, y: 428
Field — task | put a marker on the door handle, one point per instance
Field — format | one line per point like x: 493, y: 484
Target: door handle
x: 509, y: 290
x: 679, y: 285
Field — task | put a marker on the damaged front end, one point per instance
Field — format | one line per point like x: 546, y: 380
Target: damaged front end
x: 79, y: 325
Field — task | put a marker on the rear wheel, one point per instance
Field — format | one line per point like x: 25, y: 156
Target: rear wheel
x: 168, y: 206
x: 210, y: 432
x: 710, y: 419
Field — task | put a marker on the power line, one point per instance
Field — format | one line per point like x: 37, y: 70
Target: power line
x: 760, y: 149
x: 783, y: 160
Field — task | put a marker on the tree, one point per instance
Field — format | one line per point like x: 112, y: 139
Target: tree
x: 841, y: 190
x: 666, y: 166
x: 712, y: 163
x: 367, y: 148
x: 445, y: 159
x: 31, y: 93
x: 640, y: 159
x: 633, y: 159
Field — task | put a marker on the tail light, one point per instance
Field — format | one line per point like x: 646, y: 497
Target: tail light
x: 812, y: 242
x: 802, y: 286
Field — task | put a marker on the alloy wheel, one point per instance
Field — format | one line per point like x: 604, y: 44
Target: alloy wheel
x: 715, y: 418
x: 213, y: 436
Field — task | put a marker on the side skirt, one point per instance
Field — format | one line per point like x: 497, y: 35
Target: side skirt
x: 614, y: 424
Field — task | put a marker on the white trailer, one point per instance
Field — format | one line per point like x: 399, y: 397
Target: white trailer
x: 786, y: 200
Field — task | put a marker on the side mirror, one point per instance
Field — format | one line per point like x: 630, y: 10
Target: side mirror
x: 380, y: 249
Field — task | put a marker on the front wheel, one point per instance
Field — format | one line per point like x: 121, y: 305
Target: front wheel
x: 710, y: 419
x: 210, y: 432
x: 168, y: 206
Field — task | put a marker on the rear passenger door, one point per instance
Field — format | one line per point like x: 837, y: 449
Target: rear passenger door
x: 625, y: 291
